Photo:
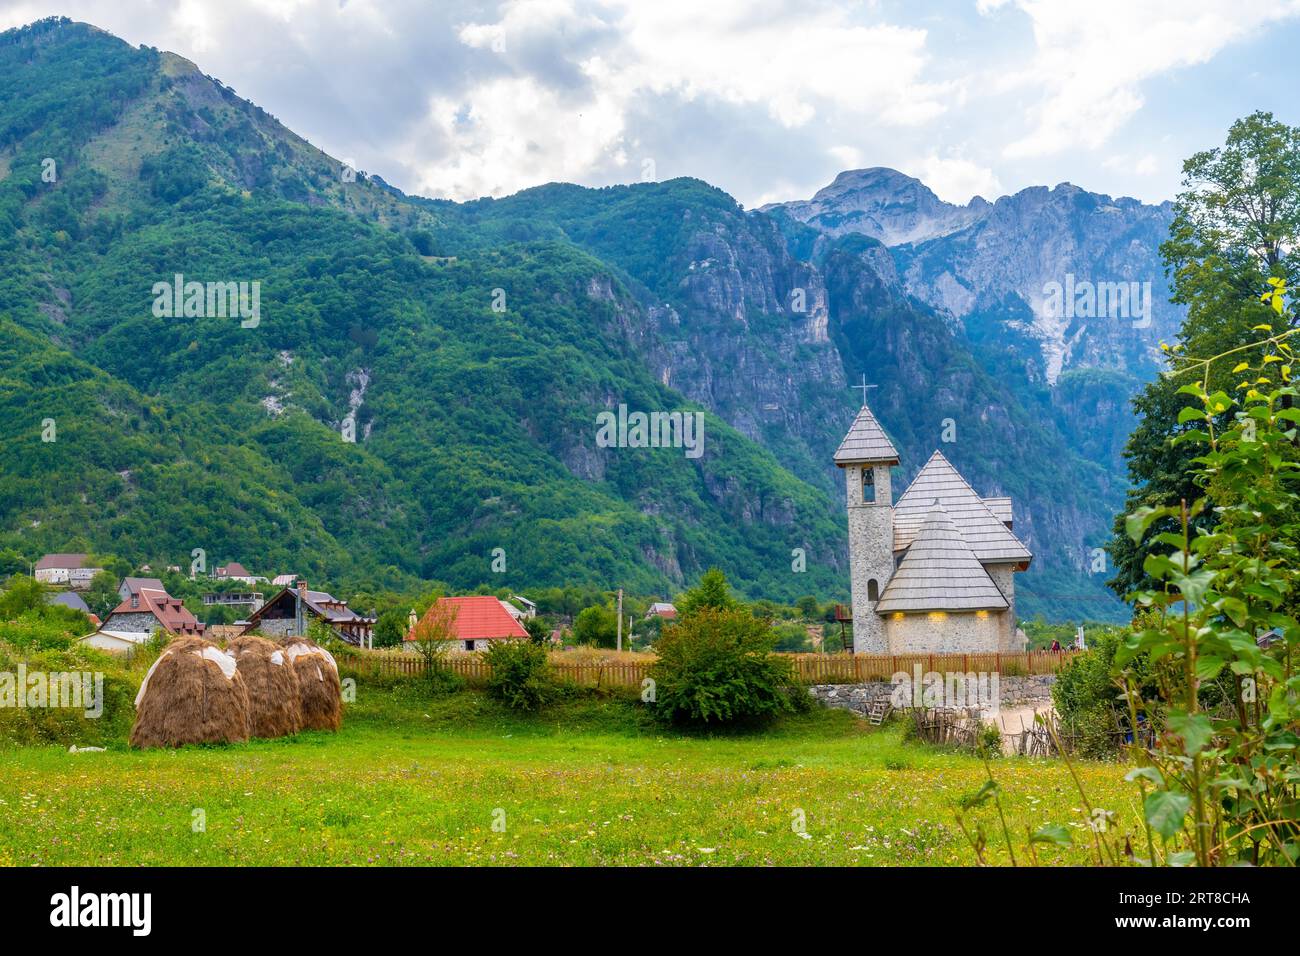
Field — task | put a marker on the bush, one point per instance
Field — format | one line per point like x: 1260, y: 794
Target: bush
x: 716, y: 667
x: 791, y: 638
x: 989, y: 743
x: 520, y: 674
x: 1089, y: 700
x: 65, y: 726
x: 597, y: 626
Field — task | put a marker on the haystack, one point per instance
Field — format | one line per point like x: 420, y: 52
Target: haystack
x: 193, y: 694
x: 320, y: 696
x: 272, y: 685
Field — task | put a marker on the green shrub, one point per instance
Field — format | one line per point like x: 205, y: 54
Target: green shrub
x: 716, y: 667
x: 520, y: 674
x: 65, y: 726
x: 989, y: 742
x: 1089, y: 701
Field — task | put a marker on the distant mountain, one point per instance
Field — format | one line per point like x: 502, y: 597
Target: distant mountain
x: 1058, y: 295
x: 475, y: 426
x: 881, y: 203
x: 470, y: 364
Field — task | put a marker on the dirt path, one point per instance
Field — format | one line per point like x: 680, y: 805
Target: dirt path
x: 1012, y: 720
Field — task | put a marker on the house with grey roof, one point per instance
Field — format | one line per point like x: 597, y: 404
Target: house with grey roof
x: 934, y: 571
x: 72, y: 570
x: 130, y: 586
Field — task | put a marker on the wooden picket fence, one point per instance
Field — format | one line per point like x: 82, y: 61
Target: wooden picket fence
x: 859, y: 668
x: 811, y: 668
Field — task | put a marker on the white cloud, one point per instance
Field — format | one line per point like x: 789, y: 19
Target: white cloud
x: 956, y: 179
x: 768, y: 99
x: 1092, y: 59
x: 799, y: 63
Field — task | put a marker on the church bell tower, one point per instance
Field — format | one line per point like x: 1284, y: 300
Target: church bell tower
x: 866, y: 455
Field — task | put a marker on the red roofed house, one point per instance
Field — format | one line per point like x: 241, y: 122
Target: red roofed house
x: 145, y: 612
x: 479, y: 618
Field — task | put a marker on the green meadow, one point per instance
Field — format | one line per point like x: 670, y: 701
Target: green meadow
x: 459, y: 780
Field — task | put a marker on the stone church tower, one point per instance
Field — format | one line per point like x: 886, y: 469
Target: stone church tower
x: 866, y: 455
x: 934, y: 571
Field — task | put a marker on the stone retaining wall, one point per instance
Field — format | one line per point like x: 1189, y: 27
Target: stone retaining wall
x: 859, y: 697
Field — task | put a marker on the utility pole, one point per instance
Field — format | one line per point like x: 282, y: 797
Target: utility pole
x: 620, y: 619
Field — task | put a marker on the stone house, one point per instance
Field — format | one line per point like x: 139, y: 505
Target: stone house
x: 933, y: 572
x: 66, y: 569
x: 291, y: 610
x: 142, y: 614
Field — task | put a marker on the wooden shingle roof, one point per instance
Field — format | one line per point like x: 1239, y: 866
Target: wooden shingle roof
x: 986, y: 535
x: 1001, y: 508
x: 940, y: 573
x: 866, y: 441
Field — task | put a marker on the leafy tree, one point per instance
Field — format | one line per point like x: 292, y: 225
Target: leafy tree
x: 519, y: 674
x: 713, y: 592
x: 390, y: 628
x: 22, y: 594
x: 1236, y: 225
x: 432, y: 638
x: 596, y: 626
x: 715, y: 666
x: 101, y: 596
x: 808, y: 607
x: 538, y: 630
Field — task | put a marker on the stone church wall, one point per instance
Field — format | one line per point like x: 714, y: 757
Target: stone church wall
x: 946, y: 632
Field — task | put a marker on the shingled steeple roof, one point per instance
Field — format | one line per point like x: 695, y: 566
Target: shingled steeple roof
x: 984, y: 532
x: 940, y: 573
x: 866, y: 442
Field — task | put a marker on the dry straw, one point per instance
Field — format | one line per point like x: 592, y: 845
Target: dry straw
x: 272, y: 685
x: 320, y: 696
x: 193, y: 694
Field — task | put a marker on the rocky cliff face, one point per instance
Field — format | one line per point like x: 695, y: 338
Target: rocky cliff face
x: 767, y: 321
x: 1076, y: 273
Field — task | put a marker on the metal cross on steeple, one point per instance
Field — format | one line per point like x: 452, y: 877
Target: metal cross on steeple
x: 864, y: 386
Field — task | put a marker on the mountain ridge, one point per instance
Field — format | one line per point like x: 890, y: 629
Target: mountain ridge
x: 657, y: 294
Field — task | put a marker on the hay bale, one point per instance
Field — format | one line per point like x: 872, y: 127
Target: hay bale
x: 193, y: 694
x: 272, y: 685
x: 320, y: 695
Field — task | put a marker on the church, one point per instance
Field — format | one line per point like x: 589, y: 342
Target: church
x: 934, y: 572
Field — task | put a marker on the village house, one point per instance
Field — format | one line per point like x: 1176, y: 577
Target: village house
x: 935, y: 571
x: 480, y: 619
x: 131, y: 586
x: 291, y: 610
x: 73, y: 600
x: 141, y: 615
x: 69, y: 570
x: 249, y: 599
x: 661, y: 609
x: 234, y: 571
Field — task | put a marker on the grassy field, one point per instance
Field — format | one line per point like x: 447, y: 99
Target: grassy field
x: 414, y: 781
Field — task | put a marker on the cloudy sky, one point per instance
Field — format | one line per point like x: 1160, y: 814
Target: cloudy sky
x: 768, y: 99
